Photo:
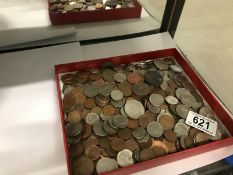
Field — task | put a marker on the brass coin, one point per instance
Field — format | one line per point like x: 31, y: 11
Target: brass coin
x: 109, y: 110
x: 170, y: 135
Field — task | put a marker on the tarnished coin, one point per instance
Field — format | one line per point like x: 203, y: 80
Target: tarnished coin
x: 87, y: 130
x: 171, y: 100
x: 74, y: 116
x: 90, y: 103
x: 76, y: 150
x: 68, y: 102
x: 161, y: 64
x: 118, y: 144
x: 125, y: 158
x: 139, y: 133
x: 141, y: 89
x: 182, y: 110
x: 98, y: 129
x: 171, y: 146
x: 124, y: 133
x: 155, y: 109
x: 83, y: 166
x: 166, y: 120
x: 118, y: 104
x: 144, y: 120
x: 176, y: 68
x: 170, y: 135
x: 201, y: 138
x: 180, y: 91
x: 108, y: 75
x: 155, y: 129
x: 187, y: 142
x: 134, y: 109
x: 93, y: 152
x: 156, y: 99
x: 73, y: 129
x: 107, y: 128
x: 120, y: 121
x: 132, y: 124
x: 181, y: 129
x: 92, y: 118
x: 106, y: 164
x: 91, y: 90
x: 153, y: 78
x: 109, y: 110
x: 116, y: 95
x: 188, y: 99
x: 147, y: 154
x: 131, y: 144
x: 134, y: 78
x: 79, y: 98
x: 120, y: 77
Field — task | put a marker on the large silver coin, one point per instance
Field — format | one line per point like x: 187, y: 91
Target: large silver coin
x: 188, y: 99
x: 155, y: 129
x: 182, y: 110
x: 156, y: 99
x: 106, y: 164
x: 125, y: 158
x: 134, y: 109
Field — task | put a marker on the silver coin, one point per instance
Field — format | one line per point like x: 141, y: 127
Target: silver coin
x: 92, y: 118
x: 155, y: 129
x: 188, y: 99
x: 106, y: 164
x: 107, y: 88
x: 196, y: 105
x: 108, y: 129
x: 180, y: 91
x: 122, y: 111
x: 176, y: 68
x: 68, y: 7
x: 120, y: 121
x: 116, y: 95
x: 118, y: 104
x: 78, y: 5
x: 205, y: 111
x: 171, y: 100
x: 125, y: 158
x: 217, y: 136
x: 144, y: 140
x: 90, y: 90
x: 91, y: 8
x: 134, y: 109
x: 164, y: 85
x: 156, y: 99
x: 161, y: 64
x: 120, y: 77
x: 98, y: 129
x: 182, y: 110
x: 139, y: 133
x: 181, y: 129
x: 154, y: 109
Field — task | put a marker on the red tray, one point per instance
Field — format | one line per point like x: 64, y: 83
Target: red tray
x: 223, y: 114
x: 93, y: 16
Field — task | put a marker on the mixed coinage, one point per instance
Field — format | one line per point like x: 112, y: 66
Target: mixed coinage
x: 64, y: 6
x: 119, y: 115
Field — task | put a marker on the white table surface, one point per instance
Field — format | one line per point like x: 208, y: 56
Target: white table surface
x: 30, y: 132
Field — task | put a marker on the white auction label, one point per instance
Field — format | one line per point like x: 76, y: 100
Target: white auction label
x: 202, y: 123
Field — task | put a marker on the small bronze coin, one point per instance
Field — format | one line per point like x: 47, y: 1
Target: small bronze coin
x: 157, y: 143
x: 126, y: 89
x: 134, y: 78
x: 83, y: 166
x: 166, y: 120
x: 131, y: 144
x: 104, y: 142
x: 109, y: 110
x: 147, y: 154
x: 171, y: 146
x: 124, y: 133
x: 144, y: 120
x: 108, y: 75
x: 95, y: 77
x: 76, y: 150
x: 74, y: 116
x: 90, y: 103
x: 118, y: 144
x: 93, y: 152
x: 170, y: 135
x: 133, y: 124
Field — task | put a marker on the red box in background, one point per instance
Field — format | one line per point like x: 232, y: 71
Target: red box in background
x: 93, y: 16
x: 222, y: 113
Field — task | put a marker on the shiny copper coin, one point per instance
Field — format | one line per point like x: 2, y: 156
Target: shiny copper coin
x: 118, y: 144
x: 156, y: 143
x: 159, y: 151
x: 79, y: 98
x: 109, y: 110
x: 170, y: 135
x: 134, y: 78
x: 147, y: 154
x: 93, y: 152
x: 83, y: 166
x: 166, y: 120
x: 124, y: 133
x: 74, y: 116
x: 90, y: 103
x: 171, y: 146
x: 131, y: 144
x: 133, y: 124
x: 87, y: 130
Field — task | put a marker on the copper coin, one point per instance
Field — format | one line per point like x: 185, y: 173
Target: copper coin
x: 87, y: 130
x: 147, y: 154
x: 98, y: 83
x: 111, y: 152
x: 156, y: 143
x: 109, y: 110
x: 83, y: 166
x: 126, y: 88
x: 118, y: 144
x: 74, y: 116
x: 103, y: 153
x: 170, y: 135
x: 193, y: 132
x: 68, y: 102
x: 144, y: 120
x: 93, y: 152
x: 189, y: 143
x: 166, y: 121
x: 84, y: 113
x: 96, y: 110
x: 90, y: 142
x: 80, y: 107
x: 131, y: 144
x: 171, y: 146
x: 95, y: 77
x: 159, y: 151
x: 134, y: 78
x: 90, y: 103
x: 133, y: 124
x: 201, y: 138
x: 124, y: 133
x: 77, y: 90
x: 79, y: 98
x: 76, y: 150
x: 104, y: 142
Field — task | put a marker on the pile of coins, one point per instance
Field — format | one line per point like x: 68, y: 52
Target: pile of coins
x: 64, y: 6
x: 119, y: 115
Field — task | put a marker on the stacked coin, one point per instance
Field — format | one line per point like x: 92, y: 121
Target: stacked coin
x: 116, y: 116
x: 64, y: 6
